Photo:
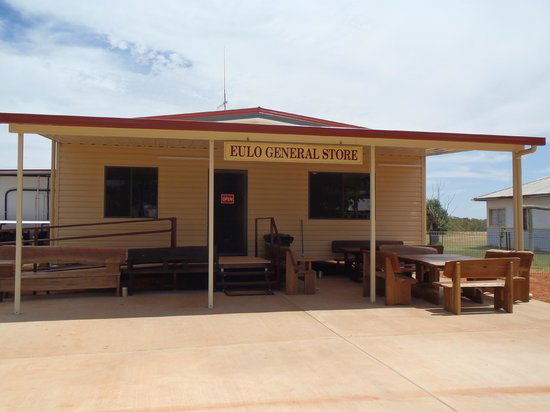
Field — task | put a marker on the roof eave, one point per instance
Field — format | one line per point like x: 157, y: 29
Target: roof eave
x: 20, y: 123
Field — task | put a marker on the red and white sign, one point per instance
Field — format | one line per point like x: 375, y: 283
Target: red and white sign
x: 227, y: 198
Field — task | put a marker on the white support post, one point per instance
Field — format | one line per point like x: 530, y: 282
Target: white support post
x: 18, y: 227
x: 52, y: 187
x: 211, y: 224
x: 518, y: 202
x: 372, y: 225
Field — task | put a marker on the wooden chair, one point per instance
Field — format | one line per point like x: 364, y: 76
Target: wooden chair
x: 294, y: 273
x: 522, y: 281
x: 391, y: 282
x: 497, y: 274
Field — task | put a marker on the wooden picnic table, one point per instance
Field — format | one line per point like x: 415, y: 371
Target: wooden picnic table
x: 352, y: 266
x: 428, y: 267
x: 227, y: 262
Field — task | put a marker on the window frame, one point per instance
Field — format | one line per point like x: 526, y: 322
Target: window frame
x: 131, y: 192
x: 342, y: 174
x: 497, y: 209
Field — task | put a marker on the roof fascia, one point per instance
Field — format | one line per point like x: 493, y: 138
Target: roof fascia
x: 52, y: 131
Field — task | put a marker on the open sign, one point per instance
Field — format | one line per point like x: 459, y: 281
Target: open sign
x: 227, y: 198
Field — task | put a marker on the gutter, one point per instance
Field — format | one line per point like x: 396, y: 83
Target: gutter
x: 520, y: 153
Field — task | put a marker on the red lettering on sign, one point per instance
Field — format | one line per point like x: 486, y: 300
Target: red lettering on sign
x: 227, y: 198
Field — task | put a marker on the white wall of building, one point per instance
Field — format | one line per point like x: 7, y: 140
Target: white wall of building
x: 537, y: 239
x: 541, y: 218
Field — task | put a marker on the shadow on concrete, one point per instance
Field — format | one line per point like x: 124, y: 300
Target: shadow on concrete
x: 334, y: 293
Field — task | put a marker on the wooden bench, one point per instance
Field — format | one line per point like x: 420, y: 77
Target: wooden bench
x: 522, y: 281
x: 102, y: 270
x: 496, y: 274
x: 167, y: 261
x: 391, y: 281
x: 295, y: 273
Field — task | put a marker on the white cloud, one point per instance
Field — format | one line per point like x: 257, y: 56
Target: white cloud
x: 478, y: 66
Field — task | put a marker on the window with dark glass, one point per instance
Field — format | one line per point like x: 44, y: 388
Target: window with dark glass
x: 339, y: 195
x: 131, y: 191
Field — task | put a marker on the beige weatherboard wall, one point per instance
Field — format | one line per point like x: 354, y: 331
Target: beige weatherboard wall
x: 274, y: 189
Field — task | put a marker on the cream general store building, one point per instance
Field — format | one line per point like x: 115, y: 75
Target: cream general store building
x: 216, y: 172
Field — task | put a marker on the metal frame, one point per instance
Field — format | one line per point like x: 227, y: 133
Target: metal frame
x: 311, y: 172
x: 372, y: 262
x: 211, y: 224
x: 131, y: 190
x: 243, y: 172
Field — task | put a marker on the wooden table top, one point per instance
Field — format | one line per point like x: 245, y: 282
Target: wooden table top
x: 241, y: 260
x: 434, y: 259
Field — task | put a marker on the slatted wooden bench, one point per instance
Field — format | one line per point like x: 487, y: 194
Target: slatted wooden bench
x: 391, y: 281
x: 522, y: 281
x: 497, y: 274
x: 165, y: 261
x: 101, y: 270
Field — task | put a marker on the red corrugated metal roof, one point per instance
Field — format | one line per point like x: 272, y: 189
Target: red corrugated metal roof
x: 251, y: 111
x: 141, y: 123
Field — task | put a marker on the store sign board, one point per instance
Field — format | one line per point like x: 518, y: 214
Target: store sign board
x: 290, y: 152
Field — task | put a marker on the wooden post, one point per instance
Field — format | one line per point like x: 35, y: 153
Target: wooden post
x: 423, y: 220
x: 19, y: 227
x: 173, y: 232
x: 291, y: 281
x: 518, y: 202
x: 372, y: 225
x: 51, y: 216
x: 211, y: 224
x: 456, y: 293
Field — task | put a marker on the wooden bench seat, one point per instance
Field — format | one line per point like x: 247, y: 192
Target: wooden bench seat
x: 395, y: 286
x: 167, y: 261
x: 496, y: 283
x: 495, y: 273
x: 101, y: 270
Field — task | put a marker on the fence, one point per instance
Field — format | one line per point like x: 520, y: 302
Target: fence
x: 476, y: 243
x: 40, y: 235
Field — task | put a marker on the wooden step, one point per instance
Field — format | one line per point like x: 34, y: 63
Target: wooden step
x: 252, y: 283
x: 248, y: 292
x: 250, y: 273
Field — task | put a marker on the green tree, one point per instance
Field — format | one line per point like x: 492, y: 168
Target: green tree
x: 437, y: 216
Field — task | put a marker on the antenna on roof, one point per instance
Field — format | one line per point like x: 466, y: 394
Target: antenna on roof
x: 224, y: 104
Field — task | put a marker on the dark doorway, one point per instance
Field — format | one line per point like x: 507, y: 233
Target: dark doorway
x: 230, y: 212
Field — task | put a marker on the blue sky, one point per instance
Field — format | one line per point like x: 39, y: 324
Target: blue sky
x: 462, y: 66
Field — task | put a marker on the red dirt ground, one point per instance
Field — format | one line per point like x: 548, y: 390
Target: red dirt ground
x: 540, y: 285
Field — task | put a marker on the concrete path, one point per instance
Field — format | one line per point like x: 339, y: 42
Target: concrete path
x: 332, y: 351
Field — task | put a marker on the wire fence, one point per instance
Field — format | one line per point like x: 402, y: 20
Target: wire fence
x: 476, y: 243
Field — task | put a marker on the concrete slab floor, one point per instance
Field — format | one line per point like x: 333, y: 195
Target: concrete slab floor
x: 331, y: 351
